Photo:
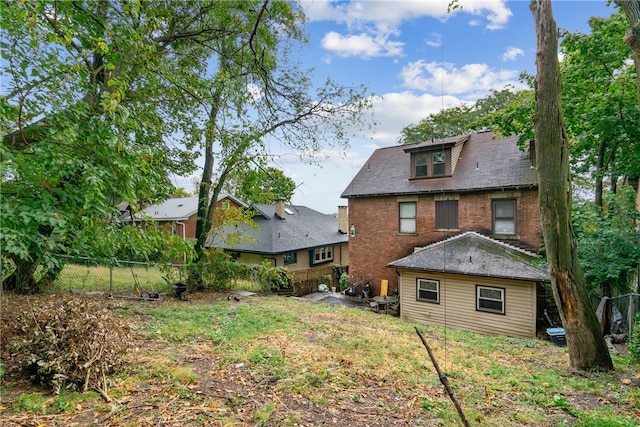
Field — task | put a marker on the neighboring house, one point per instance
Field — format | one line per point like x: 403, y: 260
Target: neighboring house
x: 476, y: 283
x: 412, y: 195
x: 179, y: 214
x: 295, y: 237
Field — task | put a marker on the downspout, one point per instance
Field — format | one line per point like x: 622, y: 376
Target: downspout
x: 184, y: 227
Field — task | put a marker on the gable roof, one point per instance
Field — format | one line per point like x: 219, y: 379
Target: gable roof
x: 302, y: 228
x: 473, y: 254
x: 484, y: 163
x: 176, y: 209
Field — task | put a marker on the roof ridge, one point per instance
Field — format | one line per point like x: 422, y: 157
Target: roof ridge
x: 482, y: 236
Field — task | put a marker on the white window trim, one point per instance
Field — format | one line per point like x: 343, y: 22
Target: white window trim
x: 322, y: 255
x: 490, y: 310
x: 420, y: 281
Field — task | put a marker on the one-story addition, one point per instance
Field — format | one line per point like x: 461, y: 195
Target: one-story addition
x: 475, y: 283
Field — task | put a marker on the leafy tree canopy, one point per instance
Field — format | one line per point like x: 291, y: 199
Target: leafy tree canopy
x: 608, y: 242
x: 461, y: 119
x: 261, y: 185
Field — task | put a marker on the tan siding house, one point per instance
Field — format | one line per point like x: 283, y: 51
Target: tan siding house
x: 472, y: 282
x: 295, y: 237
x: 457, y: 306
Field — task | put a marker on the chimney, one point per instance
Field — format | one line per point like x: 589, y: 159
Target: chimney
x: 280, y: 208
x: 532, y: 153
x: 343, y: 220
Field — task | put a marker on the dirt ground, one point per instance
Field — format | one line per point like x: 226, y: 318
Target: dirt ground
x: 231, y: 396
x: 221, y: 397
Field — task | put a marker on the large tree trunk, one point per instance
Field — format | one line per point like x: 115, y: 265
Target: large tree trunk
x: 632, y: 37
x: 22, y: 279
x: 587, y: 348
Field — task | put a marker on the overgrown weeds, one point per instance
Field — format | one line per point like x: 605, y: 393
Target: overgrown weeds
x: 285, y: 361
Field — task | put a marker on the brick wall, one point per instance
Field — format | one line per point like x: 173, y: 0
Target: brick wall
x: 377, y: 240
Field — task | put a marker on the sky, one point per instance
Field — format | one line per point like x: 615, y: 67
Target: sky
x: 415, y: 59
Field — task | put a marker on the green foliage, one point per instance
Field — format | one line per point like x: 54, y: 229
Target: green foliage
x: 600, y: 100
x: 85, y: 116
x: 261, y: 185
x: 30, y: 402
x: 215, y: 271
x: 218, y: 272
x: 72, y: 343
x: 278, y: 278
x: 344, y: 281
x: 465, y: 118
x: 634, y: 340
x: 608, y: 242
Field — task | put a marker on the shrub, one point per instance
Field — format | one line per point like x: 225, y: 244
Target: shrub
x: 213, y: 271
x: 277, y: 278
x: 344, y: 281
x: 72, y: 343
x: 634, y: 340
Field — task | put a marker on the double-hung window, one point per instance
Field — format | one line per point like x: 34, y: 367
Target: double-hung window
x: 438, y: 163
x: 490, y: 299
x: 407, y: 217
x: 504, y: 216
x: 421, y: 165
x: 428, y: 290
x: 324, y: 254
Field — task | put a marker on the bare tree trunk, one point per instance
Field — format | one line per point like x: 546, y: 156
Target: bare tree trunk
x: 587, y: 348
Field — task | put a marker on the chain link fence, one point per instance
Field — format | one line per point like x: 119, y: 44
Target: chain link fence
x: 120, y: 277
x: 617, y: 314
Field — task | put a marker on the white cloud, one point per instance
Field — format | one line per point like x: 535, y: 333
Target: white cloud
x: 356, y: 13
x: 372, y: 24
x: 362, y: 45
x: 468, y: 80
x: 497, y: 13
x: 512, y: 53
x: 394, y: 111
x: 434, y: 40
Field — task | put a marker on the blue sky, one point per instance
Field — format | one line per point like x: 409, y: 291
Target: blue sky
x: 415, y: 59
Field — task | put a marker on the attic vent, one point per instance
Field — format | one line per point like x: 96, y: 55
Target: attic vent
x: 288, y: 211
x: 180, y: 205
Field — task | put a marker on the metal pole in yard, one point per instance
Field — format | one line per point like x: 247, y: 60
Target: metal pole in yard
x: 111, y: 281
x: 443, y: 380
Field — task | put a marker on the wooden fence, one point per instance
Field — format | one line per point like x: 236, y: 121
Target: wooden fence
x: 307, y: 281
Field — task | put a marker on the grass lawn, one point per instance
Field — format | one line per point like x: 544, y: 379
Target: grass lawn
x: 122, y: 280
x: 277, y: 361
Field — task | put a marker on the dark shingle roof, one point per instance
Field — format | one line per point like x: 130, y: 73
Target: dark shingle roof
x: 303, y: 228
x: 473, y: 254
x: 484, y: 164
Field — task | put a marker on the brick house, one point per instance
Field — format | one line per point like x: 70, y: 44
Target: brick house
x: 179, y: 214
x: 413, y: 195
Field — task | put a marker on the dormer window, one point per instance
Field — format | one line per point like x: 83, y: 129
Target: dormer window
x: 438, y: 163
x: 427, y: 164
x: 421, y: 165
